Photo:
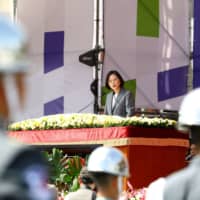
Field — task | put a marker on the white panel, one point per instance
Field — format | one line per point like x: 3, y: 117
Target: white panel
x: 33, y: 23
x: 77, y: 86
x: 54, y: 84
x: 55, y: 15
x: 79, y: 24
x: 34, y: 88
x: 120, y: 40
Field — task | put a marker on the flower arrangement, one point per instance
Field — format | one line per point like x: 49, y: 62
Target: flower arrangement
x: 138, y: 194
x: 135, y: 194
x: 67, y: 121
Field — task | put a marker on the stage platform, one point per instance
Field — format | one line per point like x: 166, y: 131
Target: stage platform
x: 152, y: 152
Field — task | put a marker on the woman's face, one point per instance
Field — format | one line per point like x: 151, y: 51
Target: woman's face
x: 114, y: 83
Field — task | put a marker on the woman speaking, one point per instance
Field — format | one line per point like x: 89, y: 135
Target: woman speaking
x: 119, y: 101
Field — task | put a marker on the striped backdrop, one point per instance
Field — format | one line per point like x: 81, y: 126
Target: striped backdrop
x: 59, y: 31
x: 148, y: 43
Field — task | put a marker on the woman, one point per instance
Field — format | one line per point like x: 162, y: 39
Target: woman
x: 120, y: 101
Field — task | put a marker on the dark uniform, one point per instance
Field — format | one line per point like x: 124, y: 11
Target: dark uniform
x: 85, y: 192
x: 23, y: 172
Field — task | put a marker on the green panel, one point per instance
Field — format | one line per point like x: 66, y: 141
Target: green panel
x: 129, y: 85
x: 148, y: 18
x: 104, y: 91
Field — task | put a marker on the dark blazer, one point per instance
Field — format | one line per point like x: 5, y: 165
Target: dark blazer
x: 124, y: 105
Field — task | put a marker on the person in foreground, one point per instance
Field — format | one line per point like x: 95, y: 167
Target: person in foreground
x: 108, y: 166
x: 120, y: 101
x: 87, y: 187
x: 23, y: 170
x: 184, y: 184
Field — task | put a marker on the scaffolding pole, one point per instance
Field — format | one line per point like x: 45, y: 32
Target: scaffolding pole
x: 99, y: 47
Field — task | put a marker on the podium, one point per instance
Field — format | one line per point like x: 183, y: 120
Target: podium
x: 152, y: 152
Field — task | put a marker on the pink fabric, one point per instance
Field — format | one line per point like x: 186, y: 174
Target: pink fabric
x: 92, y: 134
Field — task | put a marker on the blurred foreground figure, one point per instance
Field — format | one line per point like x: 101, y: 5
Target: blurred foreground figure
x: 108, y: 166
x: 13, y: 64
x: 23, y: 173
x: 23, y: 170
x: 87, y: 187
x: 184, y: 184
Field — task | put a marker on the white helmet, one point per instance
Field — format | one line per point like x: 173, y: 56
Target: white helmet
x: 189, y: 113
x: 108, y: 160
x: 12, y: 46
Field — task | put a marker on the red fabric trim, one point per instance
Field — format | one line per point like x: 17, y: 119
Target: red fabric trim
x: 92, y: 134
x: 69, y: 135
x: 155, y: 132
x: 147, y: 163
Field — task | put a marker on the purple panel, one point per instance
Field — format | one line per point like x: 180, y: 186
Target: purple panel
x: 54, y: 107
x: 172, y: 83
x: 196, y: 54
x: 53, y: 50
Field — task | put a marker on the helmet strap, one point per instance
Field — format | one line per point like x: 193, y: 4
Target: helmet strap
x: 120, y: 185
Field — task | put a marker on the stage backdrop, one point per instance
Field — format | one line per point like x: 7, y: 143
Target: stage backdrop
x: 58, y: 31
x: 148, y: 43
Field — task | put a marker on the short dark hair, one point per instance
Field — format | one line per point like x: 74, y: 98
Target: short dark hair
x: 117, y: 74
x: 195, y: 135
x: 85, y: 176
x: 102, y: 179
